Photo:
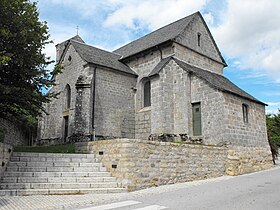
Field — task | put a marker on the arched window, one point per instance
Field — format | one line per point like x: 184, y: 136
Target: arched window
x: 147, y: 93
x: 67, y: 96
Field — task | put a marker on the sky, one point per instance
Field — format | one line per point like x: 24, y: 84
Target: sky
x: 247, y: 32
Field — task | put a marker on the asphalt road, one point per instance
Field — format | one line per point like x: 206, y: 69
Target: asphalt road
x: 256, y: 191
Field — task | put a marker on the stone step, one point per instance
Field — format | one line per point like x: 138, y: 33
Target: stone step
x: 55, y: 169
x: 59, y: 155
x: 26, y: 192
x: 54, y: 159
x: 51, y: 174
x: 56, y: 174
x: 54, y: 164
x: 57, y: 185
x: 57, y: 179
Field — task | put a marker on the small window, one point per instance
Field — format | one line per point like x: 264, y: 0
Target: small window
x: 245, y: 109
x: 198, y: 39
x: 147, y: 93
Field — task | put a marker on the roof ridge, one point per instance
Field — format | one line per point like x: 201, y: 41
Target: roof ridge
x: 157, y: 30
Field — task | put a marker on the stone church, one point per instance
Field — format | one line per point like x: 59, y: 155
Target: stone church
x: 168, y: 84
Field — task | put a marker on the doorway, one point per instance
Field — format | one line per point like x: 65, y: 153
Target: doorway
x: 196, y: 110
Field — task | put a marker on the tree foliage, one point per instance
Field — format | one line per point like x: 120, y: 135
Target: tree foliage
x: 23, y: 72
x: 273, y: 132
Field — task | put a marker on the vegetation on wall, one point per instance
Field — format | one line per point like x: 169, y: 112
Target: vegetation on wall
x: 273, y: 132
x: 23, y: 73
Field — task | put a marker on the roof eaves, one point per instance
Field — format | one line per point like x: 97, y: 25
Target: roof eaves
x: 145, y: 50
x: 251, y: 98
x: 109, y: 67
x: 160, y: 66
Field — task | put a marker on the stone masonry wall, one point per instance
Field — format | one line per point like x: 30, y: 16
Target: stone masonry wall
x: 189, y: 39
x: 241, y: 160
x: 212, y: 111
x: 139, y: 164
x: 12, y: 133
x: 115, y: 105
x: 143, y: 66
x: 195, y: 59
x: 5, y: 153
x: 239, y: 133
x: 51, y: 126
x: 170, y: 101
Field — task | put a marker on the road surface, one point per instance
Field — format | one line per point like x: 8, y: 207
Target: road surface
x: 256, y: 191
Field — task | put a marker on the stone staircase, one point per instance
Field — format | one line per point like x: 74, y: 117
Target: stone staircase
x: 53, y: 174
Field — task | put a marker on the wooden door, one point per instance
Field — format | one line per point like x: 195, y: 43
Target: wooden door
x: 196, y: 110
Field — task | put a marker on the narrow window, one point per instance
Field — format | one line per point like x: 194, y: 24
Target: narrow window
x: 66, y: 124
x: 147, y: 93
x: 196, y: 110
x: 198, y: 39
x: 245, y: 109
x: 67, y: 96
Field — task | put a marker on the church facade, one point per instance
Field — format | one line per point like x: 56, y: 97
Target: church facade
x: 167, y: 85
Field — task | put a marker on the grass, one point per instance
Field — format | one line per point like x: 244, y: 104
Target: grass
x: 67, y: 148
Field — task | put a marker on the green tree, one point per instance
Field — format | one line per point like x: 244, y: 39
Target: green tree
x: 23, y: 72
x: 273, y: 132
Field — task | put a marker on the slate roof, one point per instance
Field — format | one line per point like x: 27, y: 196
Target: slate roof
x: 157, y: 37
x: 100, y: 57
x: 215, y: 80
x: 167, y: 33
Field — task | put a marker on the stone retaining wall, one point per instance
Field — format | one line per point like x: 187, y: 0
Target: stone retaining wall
x: 5, y: 153
x: 140, y: 164
x: 241, y: 160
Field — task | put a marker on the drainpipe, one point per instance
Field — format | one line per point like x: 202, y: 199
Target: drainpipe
x: 92, y: 137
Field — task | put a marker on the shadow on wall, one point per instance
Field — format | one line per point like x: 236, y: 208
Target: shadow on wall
x: 15, y: 134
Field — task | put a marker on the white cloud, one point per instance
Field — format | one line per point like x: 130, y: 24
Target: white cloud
x: 250, y: 33
x: 272, y: 107
x: 209, y: 18
x: 151, y: 13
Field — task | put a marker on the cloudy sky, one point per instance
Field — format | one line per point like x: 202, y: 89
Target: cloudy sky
x: 246, y: 31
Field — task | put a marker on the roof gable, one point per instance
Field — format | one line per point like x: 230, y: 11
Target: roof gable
x: 175, y: 31
x: 215, y: 80
x: 99, y: 57
x: 207, y: 46
x: 155, y: 38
